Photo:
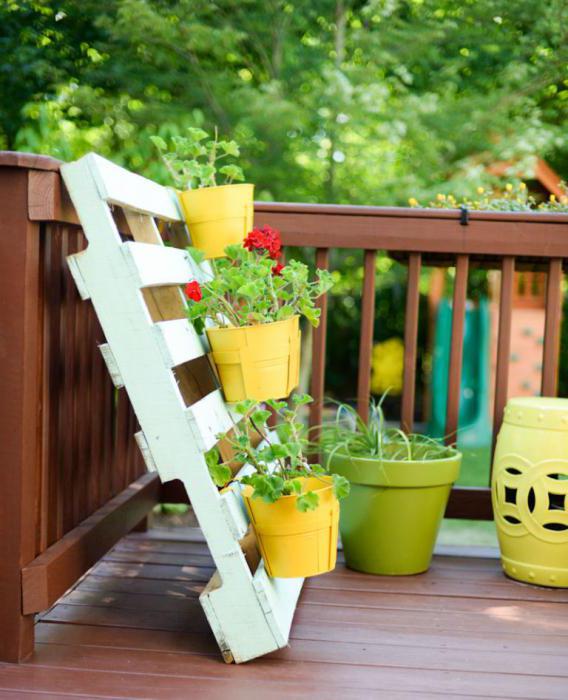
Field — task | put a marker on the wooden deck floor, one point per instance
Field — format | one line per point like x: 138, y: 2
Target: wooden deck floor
x: 133, y: 628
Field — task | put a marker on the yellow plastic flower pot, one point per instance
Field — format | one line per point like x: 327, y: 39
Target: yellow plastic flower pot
x: 295, y: 544
x: 530, y: 490
x: 257, y: 362
x: 218, y: 216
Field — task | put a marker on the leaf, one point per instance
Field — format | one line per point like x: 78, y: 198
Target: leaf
x: 268, y: 487
x: 196, y: 134
x: 307, y: 501
x: 312, y: 314
x: 243, y: 407
x: 233, y: 172
x: 197, y: 255
x: 341, y: 486
x: 284, y: 312
x: 221, y: 474
x: 212, y: 456
x: 296, y: 486
x: 231, y: 148
x: 278, y: 451
x: 159, y: 142
x: 261, y: 416
x: 301, y: 399
x: 250, y: 289
x: 276, y: 405
x: 199, y: 325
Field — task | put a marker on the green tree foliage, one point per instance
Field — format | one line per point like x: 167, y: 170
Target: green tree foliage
x: 332, y: 100
x: 348, y: 101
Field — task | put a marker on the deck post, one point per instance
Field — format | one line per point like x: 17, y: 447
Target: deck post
x: 20, y: 368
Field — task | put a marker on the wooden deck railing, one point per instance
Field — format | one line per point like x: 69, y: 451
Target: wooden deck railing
x: 494, y: 240
x: 72, y: 481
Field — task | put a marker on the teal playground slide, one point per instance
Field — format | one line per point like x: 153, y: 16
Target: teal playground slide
x: 474, y: 422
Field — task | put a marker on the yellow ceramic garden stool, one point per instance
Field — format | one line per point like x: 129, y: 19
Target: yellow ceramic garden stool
x: 530, y: 490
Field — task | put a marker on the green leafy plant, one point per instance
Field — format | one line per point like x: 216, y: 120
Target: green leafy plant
x: 512, y: 197
x: 278, y: 466
x: 192, y: 159
x: 250, y: 288
x: 349, y: 434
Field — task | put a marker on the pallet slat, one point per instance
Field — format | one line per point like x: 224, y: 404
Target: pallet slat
x: 156, y: 266
x: 179, y: 341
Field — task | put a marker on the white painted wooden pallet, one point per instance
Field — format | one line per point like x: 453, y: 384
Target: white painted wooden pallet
x: 128, y: 284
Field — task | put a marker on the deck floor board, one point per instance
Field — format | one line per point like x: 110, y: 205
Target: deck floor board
x: 133, y: 628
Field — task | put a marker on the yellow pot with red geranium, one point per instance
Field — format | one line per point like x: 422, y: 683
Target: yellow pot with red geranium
x: 250, y: 310
x: 217, y: 214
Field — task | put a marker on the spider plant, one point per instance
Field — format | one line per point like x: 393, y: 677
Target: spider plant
x: 349, y: 434
x: 400, y: 486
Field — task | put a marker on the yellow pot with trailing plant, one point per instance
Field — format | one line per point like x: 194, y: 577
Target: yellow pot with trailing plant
x: 250, y: 310
x: 217, y: 215
x: 293, y: 506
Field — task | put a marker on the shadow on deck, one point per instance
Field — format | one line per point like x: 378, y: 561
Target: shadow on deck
x: 133, y: 628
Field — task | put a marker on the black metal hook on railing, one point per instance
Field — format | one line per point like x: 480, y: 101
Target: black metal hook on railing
x: 464, y: 216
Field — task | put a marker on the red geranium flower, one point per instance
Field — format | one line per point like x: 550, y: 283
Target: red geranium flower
x: 277, y: 269
x: 265, y: 239
x: 193, y: 291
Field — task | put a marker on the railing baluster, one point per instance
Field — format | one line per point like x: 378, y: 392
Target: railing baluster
x: 503, y: 346
x: 456, y: 348
x: 317, y: 385
x: 551, y: 350
x: 366, y: 342
x: 410, y: 341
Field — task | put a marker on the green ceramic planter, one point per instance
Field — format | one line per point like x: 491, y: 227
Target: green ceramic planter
x: 390, y: 520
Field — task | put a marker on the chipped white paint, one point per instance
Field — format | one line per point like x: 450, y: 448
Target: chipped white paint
x: 250, y: 615
x: 74, y: 268
x: 111, y: 365
x: 145, y: 450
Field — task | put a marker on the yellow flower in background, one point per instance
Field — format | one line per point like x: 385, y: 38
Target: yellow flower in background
x: 480, y: 190
x: 413, y: 202
x: 441, y: 197
x: 387, y: 363
x: 552, y: 198
x: 522, y: 186
x: 509, y: 187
